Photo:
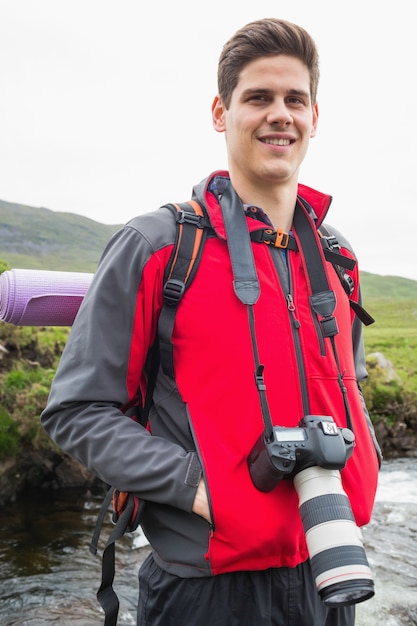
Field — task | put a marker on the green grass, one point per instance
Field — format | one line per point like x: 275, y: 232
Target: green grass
x: 394, y: 334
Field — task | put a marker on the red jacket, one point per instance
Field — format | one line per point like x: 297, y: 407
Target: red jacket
x: 208, y: 419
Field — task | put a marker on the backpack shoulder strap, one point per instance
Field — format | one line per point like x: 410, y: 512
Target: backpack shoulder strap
x: 340, y: 262
x: 192, y: 230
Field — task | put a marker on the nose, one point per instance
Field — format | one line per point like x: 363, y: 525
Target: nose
x: 279, y: 113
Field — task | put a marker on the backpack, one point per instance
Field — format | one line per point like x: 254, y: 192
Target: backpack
x: 193, y: 228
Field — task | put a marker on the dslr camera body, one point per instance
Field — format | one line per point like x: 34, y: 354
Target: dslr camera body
x: 316, y: 441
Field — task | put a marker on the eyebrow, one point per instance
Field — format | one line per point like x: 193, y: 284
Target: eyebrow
x: 290, y: 92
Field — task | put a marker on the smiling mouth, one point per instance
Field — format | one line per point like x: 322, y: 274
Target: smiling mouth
x: 277, y: 142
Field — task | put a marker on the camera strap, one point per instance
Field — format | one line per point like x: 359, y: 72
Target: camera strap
x: 245, y: 278
x: 322, y: 299
x: 245, y: 283
x: 247, y: 287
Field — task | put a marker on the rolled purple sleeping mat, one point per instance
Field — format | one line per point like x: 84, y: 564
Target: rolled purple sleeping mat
x: 41, y: 297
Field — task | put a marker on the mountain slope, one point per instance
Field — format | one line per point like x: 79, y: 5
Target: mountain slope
x: 38, y: 238
x: 388, y: 287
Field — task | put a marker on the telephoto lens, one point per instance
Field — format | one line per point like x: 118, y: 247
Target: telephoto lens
x: 334, y: 542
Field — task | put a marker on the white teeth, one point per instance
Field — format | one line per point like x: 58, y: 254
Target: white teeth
x: 277, y: 142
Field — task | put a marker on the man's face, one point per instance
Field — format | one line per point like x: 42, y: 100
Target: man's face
x: 269, y: 122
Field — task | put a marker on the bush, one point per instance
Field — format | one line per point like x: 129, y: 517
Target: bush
x: 386, y: 398
x: 26, y: 371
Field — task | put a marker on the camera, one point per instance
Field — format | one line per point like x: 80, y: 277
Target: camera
x: 315, y: 441
x: 312, y: 455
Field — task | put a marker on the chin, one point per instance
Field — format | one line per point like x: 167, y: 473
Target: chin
x: 278, y: 177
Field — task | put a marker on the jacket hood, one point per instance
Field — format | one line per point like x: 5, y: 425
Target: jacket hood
x: 318, y: 201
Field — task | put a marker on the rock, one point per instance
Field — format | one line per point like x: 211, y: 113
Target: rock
x: 42, y: 470
x: 384, y: 364
x: 396, y: 440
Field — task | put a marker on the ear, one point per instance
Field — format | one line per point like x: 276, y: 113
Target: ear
x: 315, y: 120
x: 218, y: 111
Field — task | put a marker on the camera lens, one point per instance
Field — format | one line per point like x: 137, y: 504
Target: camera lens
x: 336, y: 551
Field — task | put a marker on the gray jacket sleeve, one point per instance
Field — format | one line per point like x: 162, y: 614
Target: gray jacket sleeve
x: 114, y: 327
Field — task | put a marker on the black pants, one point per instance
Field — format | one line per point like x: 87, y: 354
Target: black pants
x: 275, y: 597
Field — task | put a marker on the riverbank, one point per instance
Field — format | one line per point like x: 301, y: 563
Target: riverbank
x: 42, y: 469
x: 46, y: 468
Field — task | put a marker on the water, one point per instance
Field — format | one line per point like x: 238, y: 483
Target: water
x: 47, y: 573
x: 391, y: 548
x: 48, y: 576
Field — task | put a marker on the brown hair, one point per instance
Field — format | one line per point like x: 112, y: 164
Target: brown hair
x: 266, y: 37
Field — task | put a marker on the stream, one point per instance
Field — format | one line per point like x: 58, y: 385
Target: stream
x: 48, y: 576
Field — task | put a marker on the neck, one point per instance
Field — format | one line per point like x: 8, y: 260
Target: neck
x: 278, y: 202
x: 280, y: 212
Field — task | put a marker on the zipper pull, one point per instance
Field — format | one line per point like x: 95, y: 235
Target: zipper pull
x: 290, y: 303
x: 291, y: 308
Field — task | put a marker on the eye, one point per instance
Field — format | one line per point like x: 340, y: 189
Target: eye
x: 298, y: 99
x: 295, y: 100
x: 258, y: 97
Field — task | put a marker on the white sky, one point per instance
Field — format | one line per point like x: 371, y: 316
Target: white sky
x: 105, y: 109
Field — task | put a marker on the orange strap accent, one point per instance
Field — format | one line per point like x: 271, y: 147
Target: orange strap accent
x: 119, y: 500
x: 198, y: 236
x: 281, y: 240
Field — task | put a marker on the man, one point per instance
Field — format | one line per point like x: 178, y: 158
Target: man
x: 225, y: 550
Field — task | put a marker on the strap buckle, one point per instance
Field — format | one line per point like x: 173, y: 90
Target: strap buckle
x: 330, y: 242
x: 279, y: 238
x: 282, y: 239
x: 329, y: 326
x: 259, y: 378
x: 348, y: 284
x: 187, y: 217
x: 173, y: 291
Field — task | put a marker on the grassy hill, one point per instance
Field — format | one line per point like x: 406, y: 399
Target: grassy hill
x: 38, y: 238
x: 387, y: 287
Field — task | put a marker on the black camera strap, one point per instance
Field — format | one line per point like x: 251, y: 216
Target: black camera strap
x: 245, y: 278
x: 245, y: 283
x: 247, y: 288
x: 322, y: 299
